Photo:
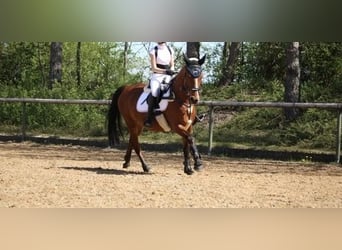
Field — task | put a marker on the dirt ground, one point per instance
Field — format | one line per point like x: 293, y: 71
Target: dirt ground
x: 36, y: 175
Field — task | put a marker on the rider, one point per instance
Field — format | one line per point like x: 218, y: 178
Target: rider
x: 162, y: 66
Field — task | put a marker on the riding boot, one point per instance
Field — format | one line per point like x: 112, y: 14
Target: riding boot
x: 151, y: 101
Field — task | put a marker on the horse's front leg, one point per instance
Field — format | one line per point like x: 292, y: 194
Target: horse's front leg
x: 186, y: 151
x: 198, y: 165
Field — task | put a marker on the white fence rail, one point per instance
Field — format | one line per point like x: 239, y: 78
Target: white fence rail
x: 210, y: 104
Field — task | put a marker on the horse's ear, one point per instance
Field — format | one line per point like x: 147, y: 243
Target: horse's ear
x: 186, y: 59
x: 201, y: 61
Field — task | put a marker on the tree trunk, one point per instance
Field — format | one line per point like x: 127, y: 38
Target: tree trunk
x: 41, y: 66
x: 229, y: 61
x: 192, y: 49
x: 56, y: 52
x: 78, y: 63
x: 292, y: 79
x: 125, y: 59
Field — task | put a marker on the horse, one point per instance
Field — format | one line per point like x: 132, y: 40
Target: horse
x: 180, y: 114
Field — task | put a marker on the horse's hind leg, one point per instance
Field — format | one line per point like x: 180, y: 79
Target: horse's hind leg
x: 134, y: 143
x: 143, y: 163
x: 128, y: 155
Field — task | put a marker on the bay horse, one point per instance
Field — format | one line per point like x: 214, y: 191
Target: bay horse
x: 180, y: 114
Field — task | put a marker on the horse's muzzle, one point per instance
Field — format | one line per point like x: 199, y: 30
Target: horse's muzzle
x: 194, y: 99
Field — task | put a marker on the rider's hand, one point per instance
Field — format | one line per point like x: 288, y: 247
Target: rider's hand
x: 170, y: 72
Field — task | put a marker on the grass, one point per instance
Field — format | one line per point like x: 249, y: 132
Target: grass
x: 244, y: 128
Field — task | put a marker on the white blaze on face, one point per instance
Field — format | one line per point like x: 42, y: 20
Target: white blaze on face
x: 196, y: 83
x: 196, y: 86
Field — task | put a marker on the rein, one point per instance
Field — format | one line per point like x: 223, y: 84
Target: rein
x: 194, y: 69
x: 187, y: 102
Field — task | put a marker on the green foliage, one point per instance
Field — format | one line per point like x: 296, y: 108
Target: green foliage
x: 23, y: 63
x: 316, y: 128
x: 322, y: 62
x: 263, y: 60
x: 24, y: 72
x: 261, y: 76
x: 321, y: 72
x: 266, y: 127
x: 247, y: 91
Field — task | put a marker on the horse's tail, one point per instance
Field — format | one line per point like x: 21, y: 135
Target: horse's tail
x: 114, y: 120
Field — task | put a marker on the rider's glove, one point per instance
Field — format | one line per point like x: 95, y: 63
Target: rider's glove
x: 169, y: 72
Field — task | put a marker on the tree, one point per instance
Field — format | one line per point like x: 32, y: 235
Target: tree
x: 192, y: 49
x: 78, y: 63
x: 56, y: 52
x: 321, y: 71
x: 263, y: 62
x: 41, y: 64
x: 125, y: 59
x: 292, y: 77
x: 230, y: 56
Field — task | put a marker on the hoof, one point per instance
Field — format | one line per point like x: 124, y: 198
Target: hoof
x: 146, y: 169
x: 199, y: 167
x: 188, y: 171
x: 126, y: 165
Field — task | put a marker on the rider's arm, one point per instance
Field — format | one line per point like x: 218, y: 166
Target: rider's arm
x: 154, y: 66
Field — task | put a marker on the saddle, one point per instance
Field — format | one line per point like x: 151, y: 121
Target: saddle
x: 166, y: 96
x: 165, y: 90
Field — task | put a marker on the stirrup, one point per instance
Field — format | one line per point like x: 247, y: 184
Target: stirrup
x: 200, y: 118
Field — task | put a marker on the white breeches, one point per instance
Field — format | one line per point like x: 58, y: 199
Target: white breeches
x: 155, y: 81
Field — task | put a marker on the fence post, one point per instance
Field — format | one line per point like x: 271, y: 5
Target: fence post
x: 23, y: 121
x: 338, y: 139
x: 211, y: 128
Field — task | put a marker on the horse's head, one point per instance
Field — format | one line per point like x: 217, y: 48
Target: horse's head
x: 192, y: 78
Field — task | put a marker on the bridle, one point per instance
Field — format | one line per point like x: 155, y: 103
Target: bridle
x: 195, y: 72
x: 192, y: 70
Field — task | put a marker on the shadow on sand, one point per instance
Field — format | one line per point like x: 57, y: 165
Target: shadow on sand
x: 99, y: 170
x: 177, y: 147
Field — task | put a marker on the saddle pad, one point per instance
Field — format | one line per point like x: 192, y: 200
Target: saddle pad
x: 142, y: 105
